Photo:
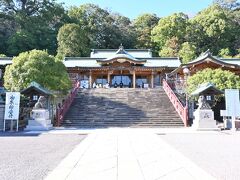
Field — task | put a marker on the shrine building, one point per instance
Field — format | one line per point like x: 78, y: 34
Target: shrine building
x: 121, y: 67
x: 133, y: 68
x: 207, y: 60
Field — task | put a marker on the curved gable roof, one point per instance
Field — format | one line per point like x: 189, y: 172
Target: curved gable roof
x: 207, y: 56
x: 207, y: 88
x: 121, y: 56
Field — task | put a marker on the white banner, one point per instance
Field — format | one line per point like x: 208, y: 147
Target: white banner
x: 232, y: 102
x: 12, y: 105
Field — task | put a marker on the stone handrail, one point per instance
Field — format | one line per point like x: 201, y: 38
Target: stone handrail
x: 182, y: 111
x: 61, y: 111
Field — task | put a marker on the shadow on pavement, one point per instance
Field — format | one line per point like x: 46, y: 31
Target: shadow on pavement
x: 19, y: 134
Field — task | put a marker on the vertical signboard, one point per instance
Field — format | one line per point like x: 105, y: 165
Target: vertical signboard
x: 232, y: 105
x: 12, y: 107
x: 232, y: 102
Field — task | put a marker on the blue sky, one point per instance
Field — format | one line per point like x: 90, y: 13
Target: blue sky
x: 133, y: 8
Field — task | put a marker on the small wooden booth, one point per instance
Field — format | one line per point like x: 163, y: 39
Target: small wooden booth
x: 32, y: 94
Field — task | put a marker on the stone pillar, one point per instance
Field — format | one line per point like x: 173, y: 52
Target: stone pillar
x: 134, y: 79
x: 152, y: 80
x: 90, y: 79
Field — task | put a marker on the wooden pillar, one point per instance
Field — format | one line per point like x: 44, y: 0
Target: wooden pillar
x: 152, y: 80
x: 90, y: 79
x: 134, y: 79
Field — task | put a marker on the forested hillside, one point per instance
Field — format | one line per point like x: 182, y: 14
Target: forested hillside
x: 47, y: 25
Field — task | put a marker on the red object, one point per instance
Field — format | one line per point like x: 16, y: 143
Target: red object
x: 61, y: 111
x: 182, y: 111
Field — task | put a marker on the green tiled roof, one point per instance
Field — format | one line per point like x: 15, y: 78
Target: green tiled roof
x: 207, y: 88
x: 36, y: 86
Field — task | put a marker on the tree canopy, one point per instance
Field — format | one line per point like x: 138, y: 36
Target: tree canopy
x: 104, y: 29
x: 36, y: 66
x: 171, y: 48
x: 222, y: 79
x: 228, y: 4
x: 27, y: 25
x: 143, y: 26
x: 47, y: 25
x: 213, y: 24
x: 168, y: 28
x: 187, y: 52
x: 72, y: 41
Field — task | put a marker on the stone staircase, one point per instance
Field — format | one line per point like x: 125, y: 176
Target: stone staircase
x: 122, y: 108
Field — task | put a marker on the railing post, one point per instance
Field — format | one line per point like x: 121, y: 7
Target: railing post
x: 182, y: 111
x: 60, y: 111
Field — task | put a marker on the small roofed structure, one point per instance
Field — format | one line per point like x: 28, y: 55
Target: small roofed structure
x: 207, y: 89
x: 34, y: 91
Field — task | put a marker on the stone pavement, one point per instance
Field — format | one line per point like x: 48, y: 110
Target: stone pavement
x: 126, y: 154
x: 31, y: 156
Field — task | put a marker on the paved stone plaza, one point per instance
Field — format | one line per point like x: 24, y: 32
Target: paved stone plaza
x: 32, y: 156
x: 127, y: 154
x: 121, y: 154
x: 217, y: 153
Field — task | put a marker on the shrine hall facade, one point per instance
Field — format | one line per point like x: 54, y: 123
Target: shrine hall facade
x: 132, y: 68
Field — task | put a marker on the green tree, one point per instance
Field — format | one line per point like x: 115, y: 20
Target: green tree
x: 143, y: 26
x: 169, y: 27
x: 124, y: 32
x: 3, y: 55
x: 222, y: 79
x: 235, y: 16
x: 36, y: 66
x: 30, y: 24
x: 72, y: 41
x: 228, y: 4
x: 225, y: 53
x: 171, y: 48
x: 7, y: 28
x: 238, y: 54
x: 20, y: 41
x: 213, y: 28
x: 187, y: 52
x: 101, y: 26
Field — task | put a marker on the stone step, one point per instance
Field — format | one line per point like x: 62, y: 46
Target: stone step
x: 109, y: 124
x: 122, y: 107
x: 121, y: 120
x: 122, y: 125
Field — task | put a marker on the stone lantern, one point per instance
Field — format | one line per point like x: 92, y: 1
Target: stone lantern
x: 204, y: 115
